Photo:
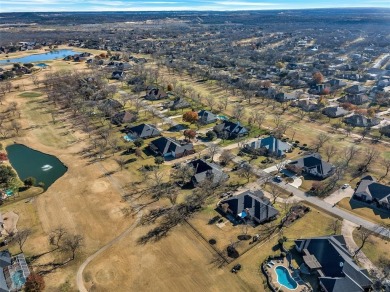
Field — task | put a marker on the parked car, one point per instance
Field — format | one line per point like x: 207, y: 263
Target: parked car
x: 345, y: 186
x: 236, y: 268
x: 278, y: 178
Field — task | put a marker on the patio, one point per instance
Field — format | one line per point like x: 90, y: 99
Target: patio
x: 295, y: 274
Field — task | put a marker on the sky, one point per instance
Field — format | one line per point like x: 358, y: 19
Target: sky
x: 168, y: 5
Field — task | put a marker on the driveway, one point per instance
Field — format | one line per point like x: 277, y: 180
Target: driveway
x: 338, y: 195
x: 296, y: 183
x: 274, y: 168
x: 346, y: 230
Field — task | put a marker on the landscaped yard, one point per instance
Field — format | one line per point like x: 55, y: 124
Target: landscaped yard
x: 375, y: 248
x: 360, y: 209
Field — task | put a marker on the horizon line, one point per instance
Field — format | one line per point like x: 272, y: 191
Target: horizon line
x: 198, y: 10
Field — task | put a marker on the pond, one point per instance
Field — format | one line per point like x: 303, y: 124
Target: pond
x: 58, y: 54
x: 29, y: 162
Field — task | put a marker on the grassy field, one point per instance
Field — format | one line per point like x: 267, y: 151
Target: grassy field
x: 373, y: 215
x: 375, y: 248
x: 30, y: 94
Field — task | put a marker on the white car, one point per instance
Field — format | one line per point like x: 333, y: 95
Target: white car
x: 345, y: 186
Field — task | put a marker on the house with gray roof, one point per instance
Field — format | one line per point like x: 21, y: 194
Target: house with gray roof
x: 356, y: 89
x: 206, y: 170
x: 124, y: 117
x: 334, y: 111
x: 206, y: 117
x: 271, y: 146
x: 230, y: 130
x: 306, y: 105
x: 357, y: 99
x: 249, y: 206
x: 312, y: 165
x: 361, y: 121
x: 371, y: 192
x: 144, y: 131
x: 284, y: 97
x: 156, y: 94
x: 337, y: 83
x: 13, y: 272
x: 329, y: 259
x: 171, y: 148
x: 178, y: 103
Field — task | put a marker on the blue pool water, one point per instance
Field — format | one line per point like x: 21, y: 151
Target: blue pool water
x: 59, y: 54
x: 18, y: 279
x: 223, y: 118
x: 128, y: 138
x: 284, y: 278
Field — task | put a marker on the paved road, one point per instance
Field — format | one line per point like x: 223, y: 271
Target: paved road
x: 300, y: 194
x: 336, y: 211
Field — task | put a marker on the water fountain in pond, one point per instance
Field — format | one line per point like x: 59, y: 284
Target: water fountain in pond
x: 46, y: 167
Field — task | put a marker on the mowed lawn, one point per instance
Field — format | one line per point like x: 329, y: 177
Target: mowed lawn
x: 312, y: 224
x: 362, y: 210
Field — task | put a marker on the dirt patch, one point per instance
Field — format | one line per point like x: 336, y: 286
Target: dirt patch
x: 10, y: 221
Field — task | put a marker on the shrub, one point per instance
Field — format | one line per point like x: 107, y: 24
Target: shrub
x: 34, y: 283
x: 211, y: 135
x: 30, y: 181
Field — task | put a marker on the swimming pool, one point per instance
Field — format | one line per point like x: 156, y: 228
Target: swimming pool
x: 18, y: 279
x: 223, y: 118
x: 128, y: 138
x: 284, y: 278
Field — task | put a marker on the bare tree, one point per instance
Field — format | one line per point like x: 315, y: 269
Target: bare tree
x: 275, y: 192
x: 121, y: 161
x: 351, y: 152
x: 35, y: 80
x: 371, y: 154
x: 330, y: 151
x: 364, y: 236
x: 322, y: 138
x: 258, y: 118
x: 334, y: 225
x: 182, y: 173
x: 386, y: 165
x: 213, y: 149
x: 277, y: 121
x: 225, y: 157
x: 113, y: 142
x: 224, y: 101
x: 16, y: 126
x: 57, y: 235
x: 21, y: 236
x: 210, y: 101
x: 72, y: 243
x: 238, y: 112
x: 246, y: 171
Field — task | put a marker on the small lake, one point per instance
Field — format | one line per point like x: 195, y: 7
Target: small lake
x: 29, y: 162
x: 52, y: 55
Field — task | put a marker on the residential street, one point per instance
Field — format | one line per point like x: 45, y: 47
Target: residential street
x: 336, y: 211
x: 327, y: 204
